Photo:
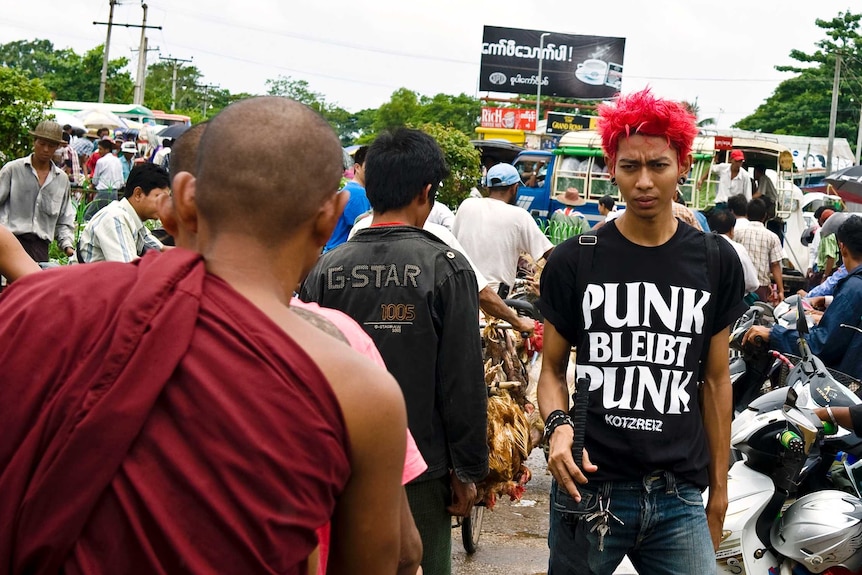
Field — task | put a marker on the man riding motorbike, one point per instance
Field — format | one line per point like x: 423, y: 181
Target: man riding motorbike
x: 838, y: 346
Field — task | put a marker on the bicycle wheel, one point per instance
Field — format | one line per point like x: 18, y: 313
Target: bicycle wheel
x: 471, y: 529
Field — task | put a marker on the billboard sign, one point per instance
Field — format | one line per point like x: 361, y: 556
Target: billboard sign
x: 509, y: 118
x: 573, y: 66
x: 562, y: 123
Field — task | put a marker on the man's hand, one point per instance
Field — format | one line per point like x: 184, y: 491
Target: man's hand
x: 818, y: 302
x: 754, y: 332
x: 561, y: 464
x: 463, y: 497
x: 716, y: 508
x: 70, y: 251
x: 524, y: 325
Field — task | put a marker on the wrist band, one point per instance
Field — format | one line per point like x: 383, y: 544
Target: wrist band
x: 555, y: 419
x: 832, y: 415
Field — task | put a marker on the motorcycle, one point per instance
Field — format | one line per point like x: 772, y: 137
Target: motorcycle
x: 784, y: 447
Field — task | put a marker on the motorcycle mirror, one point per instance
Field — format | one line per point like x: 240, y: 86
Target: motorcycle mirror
x: 790, y: 399
x: 801, y: 319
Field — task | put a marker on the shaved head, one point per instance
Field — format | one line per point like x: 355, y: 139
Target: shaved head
x: 184, y: 152
x: 265, y: 166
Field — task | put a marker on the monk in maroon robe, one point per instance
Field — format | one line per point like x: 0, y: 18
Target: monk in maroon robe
x: 174, y: 415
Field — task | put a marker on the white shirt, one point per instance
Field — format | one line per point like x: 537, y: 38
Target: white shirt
x: 728, y: 186
x: 741, y: 224
x: 116, y: 234
x: 442, y: 234
x: 108, y: 174
x: 813, y: 247
x: 442, y: 215
x: 749, y: 272
x: 162, y: 157
x: 495, y: 234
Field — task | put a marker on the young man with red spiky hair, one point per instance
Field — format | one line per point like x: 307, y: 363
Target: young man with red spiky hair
x: 649, y: 323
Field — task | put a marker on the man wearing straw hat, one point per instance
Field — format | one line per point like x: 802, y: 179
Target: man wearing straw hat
x: 34, y: 196
x: 568, y: 221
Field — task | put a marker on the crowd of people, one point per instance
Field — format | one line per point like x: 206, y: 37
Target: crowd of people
x: 298, y: 385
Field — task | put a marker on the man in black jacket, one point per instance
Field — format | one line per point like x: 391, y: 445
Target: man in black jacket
x: 417, y: 298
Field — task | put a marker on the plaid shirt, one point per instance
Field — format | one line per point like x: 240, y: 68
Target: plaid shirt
x: 763, y: 246
x: 82, y: 146
x: 116, y: 234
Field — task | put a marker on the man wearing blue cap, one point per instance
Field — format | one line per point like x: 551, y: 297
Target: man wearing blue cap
x: 495, y: 232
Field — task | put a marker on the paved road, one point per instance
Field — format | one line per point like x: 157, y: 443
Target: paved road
x: 514, y: 536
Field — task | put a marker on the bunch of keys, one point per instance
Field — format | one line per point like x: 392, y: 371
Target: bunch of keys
x: 602, y: 525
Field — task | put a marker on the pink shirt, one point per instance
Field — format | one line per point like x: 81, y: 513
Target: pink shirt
x: 414, y: 464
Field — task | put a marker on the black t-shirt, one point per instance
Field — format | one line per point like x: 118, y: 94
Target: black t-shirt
x: 639, y: 333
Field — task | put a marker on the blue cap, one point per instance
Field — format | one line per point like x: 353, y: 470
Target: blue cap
x: 502, y: 175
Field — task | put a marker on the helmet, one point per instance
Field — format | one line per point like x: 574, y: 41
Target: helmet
x: 821, y: 530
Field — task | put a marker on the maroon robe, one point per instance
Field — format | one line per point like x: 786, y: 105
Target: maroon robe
x: 152, y: 420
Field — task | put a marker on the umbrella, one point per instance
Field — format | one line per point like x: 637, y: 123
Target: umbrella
x: 847, y: 183
x: 347, y: 159
x: 96, y: 118
x: 62, y: 117
x: 831, y: 225
x: 173, y: 132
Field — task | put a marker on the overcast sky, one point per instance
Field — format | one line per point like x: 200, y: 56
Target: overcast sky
x: 721, y: 54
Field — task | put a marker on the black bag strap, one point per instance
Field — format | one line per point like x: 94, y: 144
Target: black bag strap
x: 713, y: 270
x: 585, y: 262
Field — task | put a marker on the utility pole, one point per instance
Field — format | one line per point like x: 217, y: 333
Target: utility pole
x: 206, y: 88
x: 539, y: 83
x: 174, y: 81
x: 142, y: 61
x: 109, y: 24
x: 859, y: 137
x: 144, y: 79
x: 833, y: 113
x: 104, y: 78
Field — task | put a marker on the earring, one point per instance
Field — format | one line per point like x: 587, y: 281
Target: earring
x: 613, y: 181
x: 681, y: 180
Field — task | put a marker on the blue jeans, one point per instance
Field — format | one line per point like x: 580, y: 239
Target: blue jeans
x: 664, y: 533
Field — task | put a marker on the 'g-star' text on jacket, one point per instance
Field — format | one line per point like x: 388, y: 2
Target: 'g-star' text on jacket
x: 418, y: 300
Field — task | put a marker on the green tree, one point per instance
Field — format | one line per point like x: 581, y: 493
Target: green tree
x: 402, y: 109
x: 461, y: 112
x: 463, y: 159
x: 158, y: 92
x: 801, y: 105
x: 35, y: 57
x: 407, y: 108
x: 341, y: 120
x: 67, y: 74
x: 22, y: 106
x: 694, y: 108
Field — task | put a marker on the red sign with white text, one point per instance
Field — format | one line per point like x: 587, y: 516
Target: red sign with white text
x: 723, y: 142
x: 509, y: 118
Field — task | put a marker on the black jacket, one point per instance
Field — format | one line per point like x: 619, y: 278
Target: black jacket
x: 418, y: 300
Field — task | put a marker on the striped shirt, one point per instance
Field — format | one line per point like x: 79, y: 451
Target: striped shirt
x: 116, y: 234
x: 763, y: 246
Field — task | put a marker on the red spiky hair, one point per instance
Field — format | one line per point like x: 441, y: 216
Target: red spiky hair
x: 644, y: 114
